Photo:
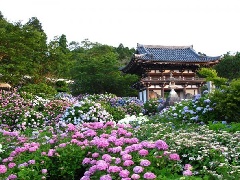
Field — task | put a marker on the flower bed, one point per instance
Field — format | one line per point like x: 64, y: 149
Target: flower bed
x: 106, y: 137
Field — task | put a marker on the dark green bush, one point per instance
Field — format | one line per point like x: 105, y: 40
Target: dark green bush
x: 227, y: 101
x: 62, y: 86
x: 117, y: 112
x: 42, y: 89
x: 151, y: 107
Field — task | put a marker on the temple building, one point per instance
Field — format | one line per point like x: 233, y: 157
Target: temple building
x: 166, y: 68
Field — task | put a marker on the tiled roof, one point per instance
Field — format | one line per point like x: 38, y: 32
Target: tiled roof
x: 171, y: 54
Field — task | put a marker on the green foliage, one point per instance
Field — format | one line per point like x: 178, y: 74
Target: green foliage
x: 223, y: 126
x: 229, y: 66
x: 124, y: 54
x: 227, y: 101
x: 219, y: 81
x: 62, y: 86
x: 86, y: 111
x: 117, y: 113
x: 151, y: 107
x: 42, y: 90
x: 44, y: 150
x: 198, y: 110
x: 208, y: 73
x: 208, y: 151
x: 133, y: 108
x: 22, y: 50
x: 97, y: 71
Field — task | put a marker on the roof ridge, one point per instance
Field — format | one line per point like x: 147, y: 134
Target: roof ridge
x: 165, y: 47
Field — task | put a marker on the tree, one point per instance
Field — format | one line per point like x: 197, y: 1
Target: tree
x: 227, y: 100
x: 22, y: 50
x: 59, y: 60
x: 97, y: 71
x: 229, y: 66
x: 212, y: 75
x: 124, y: 54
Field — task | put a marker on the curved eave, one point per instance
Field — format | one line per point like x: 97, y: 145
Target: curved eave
x: 138, y: 66
x: 132, y: 67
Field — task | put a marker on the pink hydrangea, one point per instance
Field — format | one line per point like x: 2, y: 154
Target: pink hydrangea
x: 11, y: 165
x: 149, y: 175
x: 119, y: 142
x: 3, y: 169
x: 102, y: 143
x: 188, y: 167
x: 51, y: 152
x: 12, y: 176
x: 33, y: 149
x: 62, y: 145
x: 106, y: 177
x: 101, y: 165
x: 161, y: 145
x: 145, y: 162
x: 126, y: 157
x: 124, y: 173
x: 107, y: 158
x: 86, y: 161
x: 135, y: 176
x: 128, y: 163
x: 174, y: 157
x: 85, y: 178
x: 93, y: 169
x: 114, y: 169
x: 95, y: 155
x: 143, y: 152
x: 138, y: 169
x: 32, y: 161
x: 71, y: 127
x: 44, y: 171
x: 187, y: 173
x: 118, y: 161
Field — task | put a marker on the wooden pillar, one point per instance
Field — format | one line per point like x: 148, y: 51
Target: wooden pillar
x: 184, y: 90
x: 147, y: 94
x: 162, y: 89
x: 148, y: 84
x: 162, y: 92
x: 199, y: 88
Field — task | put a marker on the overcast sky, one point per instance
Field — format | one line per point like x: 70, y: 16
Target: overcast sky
x: 211, y: 26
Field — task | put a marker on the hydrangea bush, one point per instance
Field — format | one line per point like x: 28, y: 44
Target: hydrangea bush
x: 58, y: 138
x: 213, y: 154
x: 86, y: 111
x: 200, y: 110
x: 88, y: 151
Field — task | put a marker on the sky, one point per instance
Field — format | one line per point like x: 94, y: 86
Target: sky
x: 211, y: 26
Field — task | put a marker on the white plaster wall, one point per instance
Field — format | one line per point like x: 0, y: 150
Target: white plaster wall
x: 140, y: 96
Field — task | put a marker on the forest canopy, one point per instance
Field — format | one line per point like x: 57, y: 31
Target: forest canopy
x: 26, y: 57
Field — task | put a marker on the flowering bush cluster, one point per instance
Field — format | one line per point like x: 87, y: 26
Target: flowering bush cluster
x: 135, y: 121
x: 107, y: 137
x: 86, y: 111
x: 199, y: 109
x: 105, y: 150
x: 19, y: 111
x: 212, y: 154
x: 102, y: 107
x: 130, y: 105
x: 153, y: 106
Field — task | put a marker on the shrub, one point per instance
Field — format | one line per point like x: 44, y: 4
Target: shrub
x: 117, y: 112
x: 227, y: 102
x: 42, y: 90
x: 86, y: 111
x: 152, y: 106
x: 62, y: 86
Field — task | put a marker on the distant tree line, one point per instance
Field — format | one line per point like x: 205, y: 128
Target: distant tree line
x: 27, y: 59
